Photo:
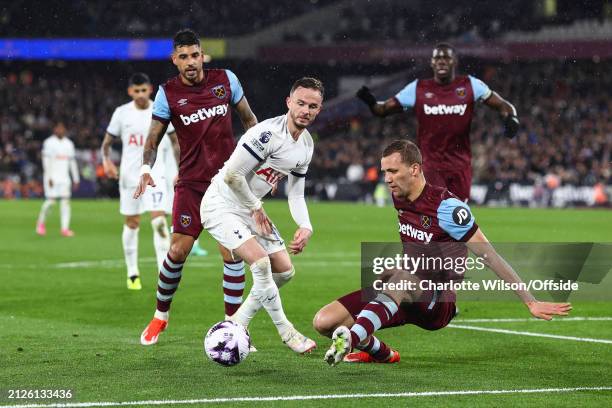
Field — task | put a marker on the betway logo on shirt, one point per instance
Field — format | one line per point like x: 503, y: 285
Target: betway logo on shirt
x: 415, y: 233
x: 203, y: 114
x: 441, y: 109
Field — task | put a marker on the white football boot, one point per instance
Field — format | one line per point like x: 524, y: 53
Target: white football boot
x: 297, y: 342
x: 341, y: 346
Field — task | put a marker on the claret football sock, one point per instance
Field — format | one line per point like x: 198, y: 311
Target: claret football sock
x: 374, y: 315
x: 169, y: 277
x: 233, y: 286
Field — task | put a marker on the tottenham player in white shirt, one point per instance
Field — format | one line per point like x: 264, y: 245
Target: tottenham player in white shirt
x: 233, y: 214
x: 130, y: 122
x: 59, y: 164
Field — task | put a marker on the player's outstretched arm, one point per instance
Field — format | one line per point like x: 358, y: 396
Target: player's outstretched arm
x: 480, y: 246
x: 156, y: 132
x: 381, y: 109
x: 507, y: 112
x: 299, y: 212
x: 247, y: 117
x: 109, y: 167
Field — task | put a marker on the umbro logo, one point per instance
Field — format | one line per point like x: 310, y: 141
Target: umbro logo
x: 182, y: 102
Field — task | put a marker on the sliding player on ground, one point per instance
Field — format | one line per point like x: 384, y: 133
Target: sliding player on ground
x: 426, y: 213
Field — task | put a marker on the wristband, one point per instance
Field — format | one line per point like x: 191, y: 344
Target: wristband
x: 145, y: 169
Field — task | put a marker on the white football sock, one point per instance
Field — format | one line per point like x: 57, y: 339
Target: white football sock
x: 265, y: 292
x: 42, y: 216
x: 251, y: 306
x: 130, y: 249
x: 65, y: 213
x: 161, y: 315
x: 161, y: 239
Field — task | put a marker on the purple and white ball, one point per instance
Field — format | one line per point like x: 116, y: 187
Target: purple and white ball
x: 227, y: 343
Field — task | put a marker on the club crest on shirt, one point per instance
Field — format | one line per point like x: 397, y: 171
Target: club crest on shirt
x: 425, y: 221
x: 185, y: 220
x: 460, y: 92
x: 265, y: 136
x: 219, y: 91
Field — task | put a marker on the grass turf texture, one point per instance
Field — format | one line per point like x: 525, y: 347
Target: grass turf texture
x: 77, y: 326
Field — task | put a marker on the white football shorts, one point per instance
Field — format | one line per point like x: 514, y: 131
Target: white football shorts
x: 59, y: 190
x: 231, y: 225
x: 153, y: 199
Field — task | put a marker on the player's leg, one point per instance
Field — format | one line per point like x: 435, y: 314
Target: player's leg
x: 129, y: 241
x: 266, y: 292
x: 375, y: 314
x: 233, y: 281
x: 161, y: 236
x: 41, y: 229
x: 170, y: 275
x: 186, y: 227
x: 65, y: 211
x: 282, y: 272
x: 343, y: 312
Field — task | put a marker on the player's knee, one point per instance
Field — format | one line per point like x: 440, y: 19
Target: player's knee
x: 132, y: 222
x: 284, y: 277
x: 324, y: 322
x: 178, y: 252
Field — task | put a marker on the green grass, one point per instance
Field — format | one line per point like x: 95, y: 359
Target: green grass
x: 76, y: 326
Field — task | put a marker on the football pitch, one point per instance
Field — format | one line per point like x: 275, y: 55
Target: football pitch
x: 67, y: 321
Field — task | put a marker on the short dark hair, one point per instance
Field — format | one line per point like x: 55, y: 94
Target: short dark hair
x: 409, y: 151
x: 309, y: 82
x: 139, y: 78
x: 185, y: 37
x: 445, y: 46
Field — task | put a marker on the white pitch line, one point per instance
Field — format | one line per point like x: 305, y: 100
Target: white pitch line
x: 532, y: 334
x: 556, y: 320
x: 310, y: 397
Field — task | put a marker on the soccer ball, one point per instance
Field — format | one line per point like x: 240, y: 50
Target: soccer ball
x: 227, y: 343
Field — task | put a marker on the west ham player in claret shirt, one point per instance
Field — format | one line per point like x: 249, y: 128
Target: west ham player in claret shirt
x: 444, y: 107
x: 352, y: 320
x: 198, y: 102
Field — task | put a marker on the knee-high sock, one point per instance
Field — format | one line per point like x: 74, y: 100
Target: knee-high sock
x: 129, y: 238
x: 233, y: 286
x: 251, y: 305
x: 65, y: 213
x: 161, y: 239
x: 376, y: 348
x: 374, y: 315
x: 42, y: 216
x: 264, y: 291
x: 167, y: 284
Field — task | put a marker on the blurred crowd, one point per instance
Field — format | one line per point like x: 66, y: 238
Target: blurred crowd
x: 565, y: 135
x: 81, y: 18
x: 564, y: 108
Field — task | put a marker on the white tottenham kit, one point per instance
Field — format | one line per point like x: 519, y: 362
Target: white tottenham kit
x: 132, y: 125
x: 264, y: 155
x: 59, y: 164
